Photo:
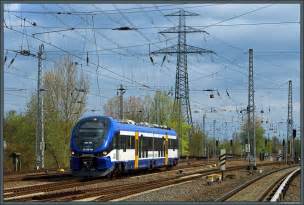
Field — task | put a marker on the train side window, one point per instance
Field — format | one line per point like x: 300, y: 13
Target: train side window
x: 173, y: 144
x: 114, y: 139
x: 158, y: 146
x: 122, y: 144
x: 118, y: 142
x: 141, y: 146
x: 150, y: 143
x: 132, y: 142
x: 145, y: 146
x: 127, y: 142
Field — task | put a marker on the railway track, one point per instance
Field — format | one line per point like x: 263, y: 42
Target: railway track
x: 71, y: 182
x: 261, y: 188
x: 66, y: 184
x: 77, y: 191
x: 52, y: 174
x: 35, y: 176
x: 280, y: 190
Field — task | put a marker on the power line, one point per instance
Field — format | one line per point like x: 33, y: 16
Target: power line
x: 62, y: 29
x: 107, y: 11
x: 35, y: 79
x: 78, y: 57
x: 237, y: 16
x: 130, y: 22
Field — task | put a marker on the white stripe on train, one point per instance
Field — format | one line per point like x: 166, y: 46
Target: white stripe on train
x: 131, y: 133
x: 129, y: 154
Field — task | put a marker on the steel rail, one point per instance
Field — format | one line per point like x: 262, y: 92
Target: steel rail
x: 281, y: 190
x: 250, y: 182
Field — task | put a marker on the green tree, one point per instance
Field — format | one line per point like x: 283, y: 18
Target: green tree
x: 183, y: 137
x: 259, y: 133
x: 64, y: 102
x: 197, y: 142
x: 19, y: 134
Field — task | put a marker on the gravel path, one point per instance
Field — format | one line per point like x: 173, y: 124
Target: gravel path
x: 293, y: 192
x: 198, y: 190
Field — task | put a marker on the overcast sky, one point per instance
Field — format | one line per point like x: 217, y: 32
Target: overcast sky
x: 272, y: 31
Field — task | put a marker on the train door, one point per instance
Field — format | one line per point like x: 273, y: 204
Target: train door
x: 165, y: 149
x: 140, y: 146
x: 136, y: 150
x: 117, y: 145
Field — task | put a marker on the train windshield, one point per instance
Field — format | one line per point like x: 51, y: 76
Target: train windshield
x: 91, y: 134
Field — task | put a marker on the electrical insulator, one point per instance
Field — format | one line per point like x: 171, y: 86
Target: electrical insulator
x: 294, y: 133
x: 151, y: 59
x: 87, y: 58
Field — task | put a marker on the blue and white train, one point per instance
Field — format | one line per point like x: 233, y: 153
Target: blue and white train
x: 102, y: 146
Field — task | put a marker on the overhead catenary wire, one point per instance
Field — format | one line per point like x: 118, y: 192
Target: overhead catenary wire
x: 61, y: 29
x: 139, y: 86
x: 80, y: 58
x: 98, y: 12
x: 97, y: 78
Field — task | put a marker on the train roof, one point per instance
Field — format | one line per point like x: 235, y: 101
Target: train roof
x: 119, y: 125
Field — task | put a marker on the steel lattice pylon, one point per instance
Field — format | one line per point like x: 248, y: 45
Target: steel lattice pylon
x: 251, y: 111
x: 40, y: 143
x: 290, y: 122
x: 181, y: 100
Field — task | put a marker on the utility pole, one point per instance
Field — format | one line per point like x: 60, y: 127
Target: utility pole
x: 40, y: 143
x: 120, y: 92
x: 157, y: 104
x: 251, y: 112
x: 181, y: 100
x: 214, y: 143
x: 290, y: 123
x: 204, y: 131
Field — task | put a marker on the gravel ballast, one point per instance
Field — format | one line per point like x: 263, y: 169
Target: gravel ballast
x: 198, y: 190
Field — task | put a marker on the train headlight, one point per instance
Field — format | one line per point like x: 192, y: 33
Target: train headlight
x: 104, y: 153
x: 72, y: 153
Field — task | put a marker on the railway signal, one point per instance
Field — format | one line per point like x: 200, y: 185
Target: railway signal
x: 222, y: 159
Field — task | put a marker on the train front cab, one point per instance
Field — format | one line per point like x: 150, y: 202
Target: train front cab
x: 91, y: 166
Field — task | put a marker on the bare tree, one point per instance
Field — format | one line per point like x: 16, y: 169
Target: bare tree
x: 64, y: 102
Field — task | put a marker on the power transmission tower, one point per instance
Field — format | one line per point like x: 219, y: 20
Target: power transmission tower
x: 120, y: 92
x: 181, y: 100
x: 250, y: 113
x: 40, y: 143
x: 290, y: 122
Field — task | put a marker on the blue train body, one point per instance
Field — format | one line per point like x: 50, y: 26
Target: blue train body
x: 101, y: 145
